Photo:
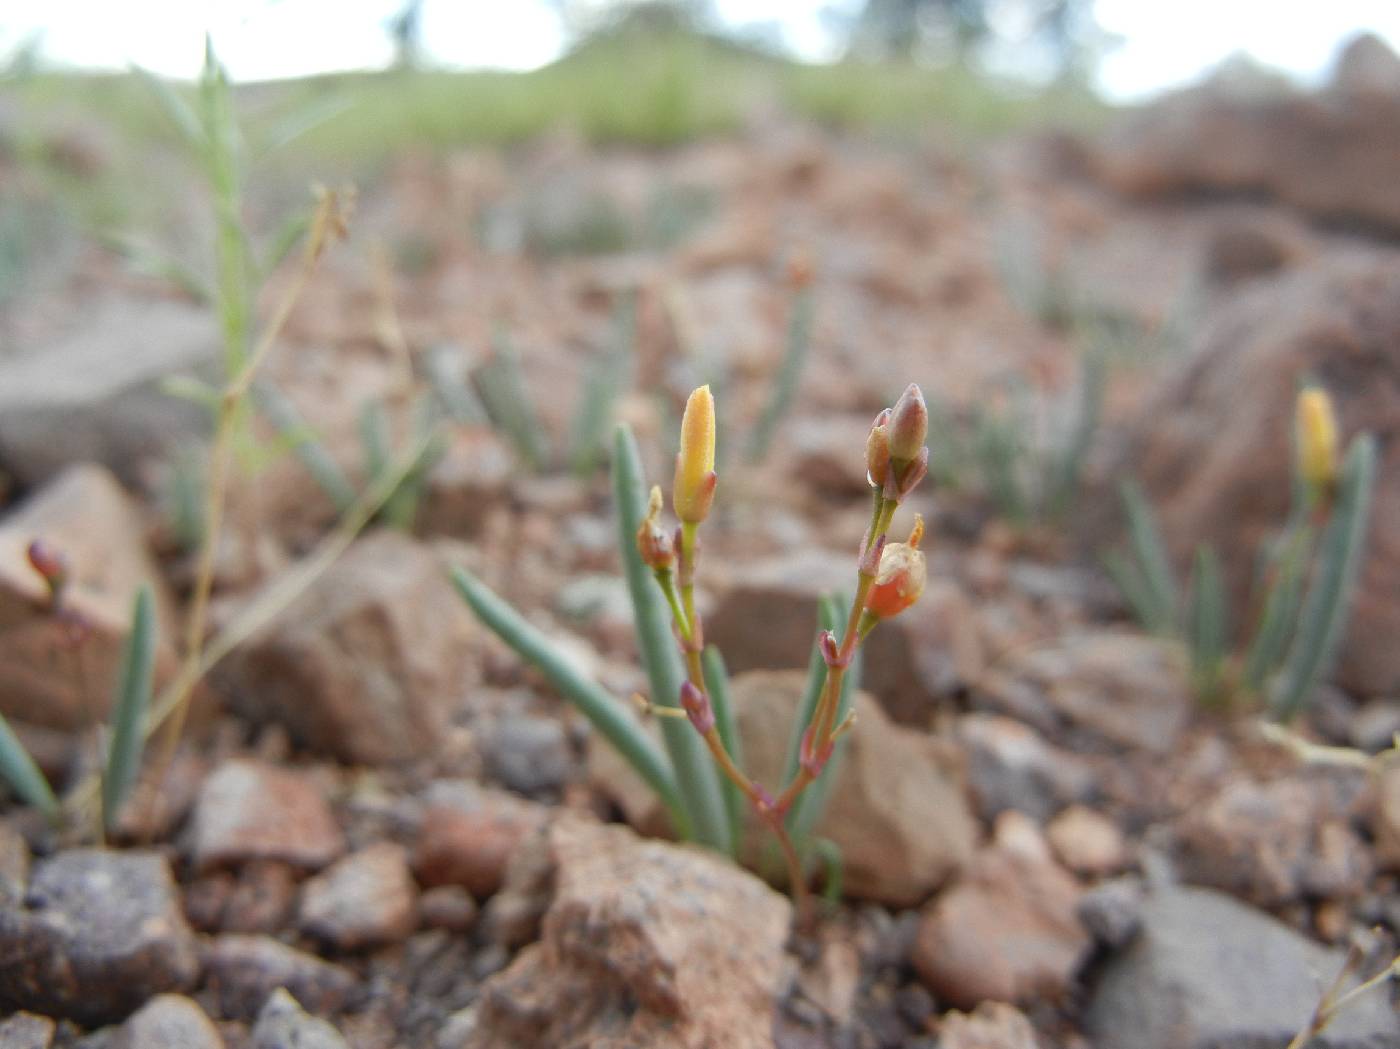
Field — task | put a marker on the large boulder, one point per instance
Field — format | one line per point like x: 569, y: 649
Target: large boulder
x: 1214, y: 450
x: 368, y: 662
x: 96, y: 935
x: 93, y: 394
x: 84, y: 514
x: 1330, y: 155
x: 644, y: 943
x: 1206, y: 971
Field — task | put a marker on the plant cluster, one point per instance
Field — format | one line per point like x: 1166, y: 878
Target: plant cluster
x: 1028, y: 463
x: 1303, y: 585
x: 699, y: 777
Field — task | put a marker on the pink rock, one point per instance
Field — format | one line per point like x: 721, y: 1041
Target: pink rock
x: 1008, y: 930
x: 644, y: 943
x: 1087, y: 842
x: 364, y: 900
x: 249, y: 810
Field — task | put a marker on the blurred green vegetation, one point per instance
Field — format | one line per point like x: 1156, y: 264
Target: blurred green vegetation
x: 654, y: 89
x: 651, y: 89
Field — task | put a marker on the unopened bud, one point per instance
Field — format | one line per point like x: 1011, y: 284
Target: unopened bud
x: 1316, y: 426
x: 902, y: 576
x: 653, y: 541
x: 694, y: 488
x: 908, y: 425
x: 697, y: 707
x: 877, y: 450
x: 51, y: 564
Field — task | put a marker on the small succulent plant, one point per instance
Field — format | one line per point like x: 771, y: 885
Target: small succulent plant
x: 1304, y: 587
x: 700, y: 776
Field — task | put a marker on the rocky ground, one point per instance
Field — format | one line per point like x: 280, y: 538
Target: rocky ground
x: 384, y: 831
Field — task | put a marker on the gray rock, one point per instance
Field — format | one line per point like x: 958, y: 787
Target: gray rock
x: 1010, y: 766
x: 96, y: 935
x: 246, y: 969
x: 169, y: 1021
x: 1208, y: 972
x: 26, y: 1031
x: 1112, y: 911
x: 283, y: 1024
x: 529, y: 754
x: 94, y: 396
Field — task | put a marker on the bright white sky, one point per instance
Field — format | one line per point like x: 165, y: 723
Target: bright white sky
x: 1164, y: 43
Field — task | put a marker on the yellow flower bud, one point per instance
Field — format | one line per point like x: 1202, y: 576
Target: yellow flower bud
x: 901, y: 579
x: 694, y: 487
x: 1317, y: 438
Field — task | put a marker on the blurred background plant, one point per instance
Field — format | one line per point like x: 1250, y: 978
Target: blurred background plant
x: 1304, y: 581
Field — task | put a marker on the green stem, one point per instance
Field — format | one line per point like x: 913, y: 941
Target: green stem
x: 695, y: 773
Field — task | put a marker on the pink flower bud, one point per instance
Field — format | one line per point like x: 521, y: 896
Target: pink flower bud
x: 908, y: 425
x: 51, y: 564
x: 697, y: 707
x: 877, y: 450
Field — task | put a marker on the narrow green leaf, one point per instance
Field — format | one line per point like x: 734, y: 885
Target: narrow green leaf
x: 188, y: 388
x: 789, y: 376
x: 1070, y: 466
x: 180, y: 112
x: 284, y: 240
x: 460, y: 401
x: 1322, y: 622
x: 998, y: 449
x: 607, y: 377
x: 129, y: 708
x: 374, y: 437
x: 833, y: 868
x: 1282, y: 598
x: 503, y: 391
x: 19, y: 771
x: 305, y: 445
x: 1145, y: 538
x: 717, y: 685
x: 695, y: 771
x: 605, y: 713
x: 1207, y: 624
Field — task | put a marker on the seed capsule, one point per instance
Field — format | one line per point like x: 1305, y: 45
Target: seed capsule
x: 901, y: 578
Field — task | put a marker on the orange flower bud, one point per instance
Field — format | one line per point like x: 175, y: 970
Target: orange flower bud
x: 877, y: 451
x: 1316, y: 426
x: 653, y: 541
x: 694, y: 487
x: 908, y: 425
x: 901, y: 577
